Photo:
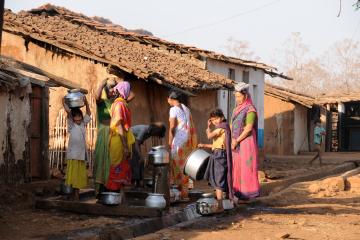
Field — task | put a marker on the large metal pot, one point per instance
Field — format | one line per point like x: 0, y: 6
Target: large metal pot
x: 196, y: 164
x: 159, y: 155
x: 74, y: 98
x: 110, y: 198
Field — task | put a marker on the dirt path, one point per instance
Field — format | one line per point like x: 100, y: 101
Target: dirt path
x: 309, y: 210
x: 36, y: 224
x: 299, y: 212
x: 257, y: 224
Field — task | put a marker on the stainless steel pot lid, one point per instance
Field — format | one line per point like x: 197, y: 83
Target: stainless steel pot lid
x: 208, y: 195
x: 110, y: 193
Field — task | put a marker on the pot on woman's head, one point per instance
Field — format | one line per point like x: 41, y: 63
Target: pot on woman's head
x: 241, y: 92
x: 111, y: 82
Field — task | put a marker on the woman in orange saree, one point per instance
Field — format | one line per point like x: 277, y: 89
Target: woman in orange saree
x: 121, y: 140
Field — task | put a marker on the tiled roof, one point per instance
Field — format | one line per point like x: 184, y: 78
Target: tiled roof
x: 289, y: 95
x: 111, y: 44
x: 145, y: 56
x: 338, y: 98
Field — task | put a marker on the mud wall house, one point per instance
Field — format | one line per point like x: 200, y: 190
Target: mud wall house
x: 23, y: 121
x: 288, y: 121
x: 341, y: 114
x: 86, y: 51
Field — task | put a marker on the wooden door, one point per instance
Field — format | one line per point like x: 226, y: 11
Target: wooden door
x: 39, y: 133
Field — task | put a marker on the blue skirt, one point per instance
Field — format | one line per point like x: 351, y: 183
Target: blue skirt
x: 216, y: 171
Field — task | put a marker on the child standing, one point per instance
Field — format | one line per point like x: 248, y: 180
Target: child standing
x: 319, y: 132
x: 76, y: 174
x: 218, y: 169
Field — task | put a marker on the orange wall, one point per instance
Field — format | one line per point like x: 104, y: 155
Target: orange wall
x: 279, y: 126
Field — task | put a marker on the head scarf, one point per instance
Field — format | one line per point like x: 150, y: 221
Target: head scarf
x: 123, y: 89
x: 241, y: 86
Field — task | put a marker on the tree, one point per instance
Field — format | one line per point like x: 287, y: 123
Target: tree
x: 342, y: 61
x: 335, y: 72
x: 293, y: 59
x: 240, y: 49
x: 357, y: 5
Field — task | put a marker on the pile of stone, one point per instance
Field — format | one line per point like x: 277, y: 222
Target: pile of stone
x: 329, y: 187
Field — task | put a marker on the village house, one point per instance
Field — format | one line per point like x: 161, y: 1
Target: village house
x: 342, y: 122
x: 86, y: 51
x: 289, y: 121
x: 24, y: 137
x: 288, y: 124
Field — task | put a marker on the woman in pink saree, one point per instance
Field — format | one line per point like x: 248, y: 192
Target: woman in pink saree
x: 245, y: 183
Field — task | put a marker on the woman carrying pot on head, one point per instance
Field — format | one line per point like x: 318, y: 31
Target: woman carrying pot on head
x: 245, y: 181
x: 182, y: 141
x: 105, y: 96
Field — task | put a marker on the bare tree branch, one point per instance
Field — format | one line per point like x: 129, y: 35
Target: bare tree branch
x: 339, y: 10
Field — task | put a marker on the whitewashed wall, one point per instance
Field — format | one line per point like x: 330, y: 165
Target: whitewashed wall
x: 256, y: 80
x: 14, y: 125
x: 301, y: 142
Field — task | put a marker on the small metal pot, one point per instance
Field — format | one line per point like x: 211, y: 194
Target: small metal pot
x: 207, y: 204
x: 74, y: 98
x: 159, y: 155
x: 110, y: 198
x: 196, y: 164
x: 66, y: 189
x: 155, y: 200
x: 174, y: 193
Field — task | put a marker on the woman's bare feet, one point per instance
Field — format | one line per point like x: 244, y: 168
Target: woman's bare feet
x: 220, y: 208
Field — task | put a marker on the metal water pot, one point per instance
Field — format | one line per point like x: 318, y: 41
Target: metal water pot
x: 175, y: 194
x: 155, y: 200
x: 65, y: 189
x: 74, y: 98
x: 159, y: 155
x: 207, y: 204
x: 111, y: 198
x: 196, y: 164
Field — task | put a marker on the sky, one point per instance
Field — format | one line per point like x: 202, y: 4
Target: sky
x: 208, y: 24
